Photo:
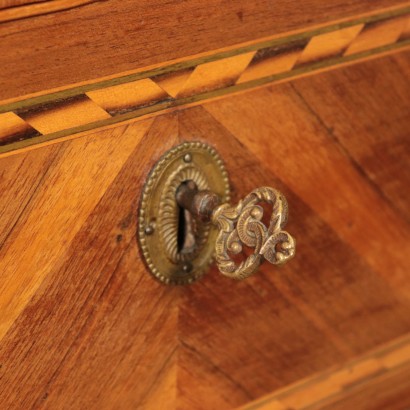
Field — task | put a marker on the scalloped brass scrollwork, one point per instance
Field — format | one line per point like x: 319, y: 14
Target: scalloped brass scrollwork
x: 242, y: 225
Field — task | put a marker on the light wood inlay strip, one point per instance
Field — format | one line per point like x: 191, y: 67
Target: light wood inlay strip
x: 333, y: 43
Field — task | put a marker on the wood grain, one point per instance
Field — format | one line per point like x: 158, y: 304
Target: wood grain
x: 86, y: 326
x: 107, y: 37
x: 372, y: 381
x: 359, y: 123
x: 21, y: 9
x: 81, y: 180
x: 285, y: 324
x: 94, y: 304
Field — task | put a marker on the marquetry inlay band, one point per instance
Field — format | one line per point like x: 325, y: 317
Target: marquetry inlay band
x: 81, y: 108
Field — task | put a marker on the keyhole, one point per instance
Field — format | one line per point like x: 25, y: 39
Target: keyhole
x: 181, y: 228
x: 186, y: 231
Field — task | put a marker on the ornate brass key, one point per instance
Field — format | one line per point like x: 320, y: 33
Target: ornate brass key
x: 242, y: 225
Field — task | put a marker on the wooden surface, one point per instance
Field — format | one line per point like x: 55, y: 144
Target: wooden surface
x: 4, y: 4
x: 377, y: 380
x: 84, y: 325
x: 21, y: 9
x: 101, y: 38
x: 60, y: 114
x: 76, y: 302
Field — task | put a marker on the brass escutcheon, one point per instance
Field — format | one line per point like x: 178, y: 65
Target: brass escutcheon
x: 177, y: 248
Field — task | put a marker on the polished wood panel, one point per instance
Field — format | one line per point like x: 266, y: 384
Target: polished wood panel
x: 314, y: 312
x: 101, y: 38
x: 82, y: 175
x: 86, y: 326
x: 70, y: 267
x: 359, y: 123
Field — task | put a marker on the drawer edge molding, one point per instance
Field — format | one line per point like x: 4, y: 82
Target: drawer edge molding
x: 49, y: 117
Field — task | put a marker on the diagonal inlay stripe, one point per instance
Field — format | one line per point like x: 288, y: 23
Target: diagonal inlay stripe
x: 329, y: 45
x: 14, y: 128
x: 273, y: 60
x: 174, y: 82
x: 377, y: 35
x: 126, y: 97
x: 405, y: 35
x: 64, y: 114
x: 216, y: 74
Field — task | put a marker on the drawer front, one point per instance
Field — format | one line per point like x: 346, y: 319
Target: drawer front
x: 84, y: 325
